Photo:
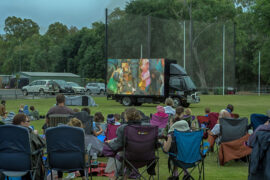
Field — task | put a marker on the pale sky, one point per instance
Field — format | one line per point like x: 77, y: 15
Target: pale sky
x: 79, y: 13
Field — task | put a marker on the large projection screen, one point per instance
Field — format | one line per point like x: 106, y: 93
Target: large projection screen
x: 135, y: 76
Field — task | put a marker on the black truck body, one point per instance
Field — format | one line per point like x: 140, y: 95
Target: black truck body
x: 138, y: 81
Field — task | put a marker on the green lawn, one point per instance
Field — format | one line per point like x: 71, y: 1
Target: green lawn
x: 243, y: 105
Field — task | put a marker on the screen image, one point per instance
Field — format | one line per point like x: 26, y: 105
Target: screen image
x: 135, y: 76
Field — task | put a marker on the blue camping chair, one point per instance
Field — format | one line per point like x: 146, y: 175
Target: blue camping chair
x: 15, y: 152
x: 257, y: 119
x: 191, y: 152
x: 66, y: 149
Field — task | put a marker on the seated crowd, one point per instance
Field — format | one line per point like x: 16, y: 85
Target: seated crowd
x: 111, y: 132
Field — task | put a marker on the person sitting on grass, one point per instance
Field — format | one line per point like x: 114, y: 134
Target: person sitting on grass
x: 74, y: 122
x: 21, y: 108
x: 36, y: 143
x: 34, y: 114
x: 117, y: 118
x: 5, y: 117
x: 99, y: 126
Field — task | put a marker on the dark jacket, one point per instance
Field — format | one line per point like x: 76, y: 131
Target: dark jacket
x: 260, y: 157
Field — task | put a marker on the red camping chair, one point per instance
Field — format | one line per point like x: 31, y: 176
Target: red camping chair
x: 111, y: 132
x: 213, y: 118
x: 203, y: 120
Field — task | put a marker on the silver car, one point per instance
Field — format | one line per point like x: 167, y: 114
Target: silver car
x: 77, y: 89
x: 95, y: 88
x: 41, y: 87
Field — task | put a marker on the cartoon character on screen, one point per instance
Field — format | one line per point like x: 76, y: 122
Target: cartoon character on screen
x: 134, y: 67
x: 145, y: 75
x: 126, y: 82
x: 155, y: 84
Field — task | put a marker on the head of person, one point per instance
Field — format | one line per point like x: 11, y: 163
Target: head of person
x: 188, y: 111
x: 22, y: 120
x: 181, y: 125
x: 21, y: 106
x: 74, y: 122
x: 60, y: 99
x: 207, y: 110
x: 224, y: 114
x: 160, y: 109
x: 3, y: 102
x: 110, y: 119
x: 32, y: 108
x: 98, y: 117
x: 230, y: 108
x: 117, y: 117
x: 86, y: 109
x: 179, y: 111
x: 132, y: 115
x: 169, y: 102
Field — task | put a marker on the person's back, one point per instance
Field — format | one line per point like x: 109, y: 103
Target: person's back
x: 34, y: 114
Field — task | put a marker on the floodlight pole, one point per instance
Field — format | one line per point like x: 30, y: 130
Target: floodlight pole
x: 223, y: 59
x: 106, y: 46
x: 259, y: 75
x: 184, y: 48
x: 141, y: 51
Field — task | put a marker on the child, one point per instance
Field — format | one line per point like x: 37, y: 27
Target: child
x: 21, y: 108
x: 117, y: 118
x: 98, y: 119
x: 34, y: 114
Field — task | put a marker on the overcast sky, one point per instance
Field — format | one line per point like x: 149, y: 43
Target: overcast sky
x: 79, y: 13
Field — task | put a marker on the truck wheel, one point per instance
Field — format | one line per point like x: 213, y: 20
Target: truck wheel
x: 25, y: 93
x: 126, y: 101
x: 185, y: 104
x: 177, y: 102
x: 102, y: 92
x: 41, y: 92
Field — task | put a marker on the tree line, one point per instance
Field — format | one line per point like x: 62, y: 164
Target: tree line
x: 63, y: 49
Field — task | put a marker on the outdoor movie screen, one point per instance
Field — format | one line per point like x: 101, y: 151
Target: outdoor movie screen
x: 135, y: 76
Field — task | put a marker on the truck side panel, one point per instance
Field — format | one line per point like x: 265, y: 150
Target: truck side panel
x: 136, y: 77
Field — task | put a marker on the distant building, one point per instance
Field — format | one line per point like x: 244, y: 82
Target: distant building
x: 69, y: 77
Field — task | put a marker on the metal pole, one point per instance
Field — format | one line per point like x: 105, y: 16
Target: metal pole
x: 149, y: 37
x: 259, y: 75
x: 106, y: 45
x: 184, y: 45
x: 223, y: 59
x: 141, y: 51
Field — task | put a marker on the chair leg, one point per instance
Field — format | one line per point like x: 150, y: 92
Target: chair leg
x: 51, y: 174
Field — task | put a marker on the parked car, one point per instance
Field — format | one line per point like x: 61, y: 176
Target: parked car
x: 63, y: 86
x: 41, y: 86
x: 95, y: 88
x: 77, y: 89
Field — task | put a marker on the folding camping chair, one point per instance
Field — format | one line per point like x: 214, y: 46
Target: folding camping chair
x: 257, y: 119
x: 161, y: 122
x: 15, y: 152
x: 140, y: 145
x: 259, y: 158
x: 233, y: 133
x: 57, y: 119
x: 191, y: 152
x: 87, y: 121
x: 213, y: 118
x: 66, y: 149
x: 204, y: 124
x: 111, y: 132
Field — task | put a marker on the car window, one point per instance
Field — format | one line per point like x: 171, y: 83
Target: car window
x: 43, y: 82
x: 33, y: 83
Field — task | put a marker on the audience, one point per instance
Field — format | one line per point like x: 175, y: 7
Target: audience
x: 169, y: 106
x: 5, y: 117
x: 60, y: 108
x: 207, y: 111
x: 34, y: 114
x: 26, y: 110
x: 117, y: 119
x: 179, y: 114
x: 21, y: 108
x: 36, y: 143
x: 98, y: 119
x: 229, y: 109
x: 76, y: 110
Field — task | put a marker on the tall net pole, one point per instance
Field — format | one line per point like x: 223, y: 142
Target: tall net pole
x: 223, y: 59
x: 259, y: 75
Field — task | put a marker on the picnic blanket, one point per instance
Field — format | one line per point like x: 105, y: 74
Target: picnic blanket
x: 100, y: 170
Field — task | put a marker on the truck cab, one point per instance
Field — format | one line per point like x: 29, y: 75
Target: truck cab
x: 181, y: 87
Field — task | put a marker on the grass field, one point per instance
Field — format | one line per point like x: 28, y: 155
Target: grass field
x: 243, y: 105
